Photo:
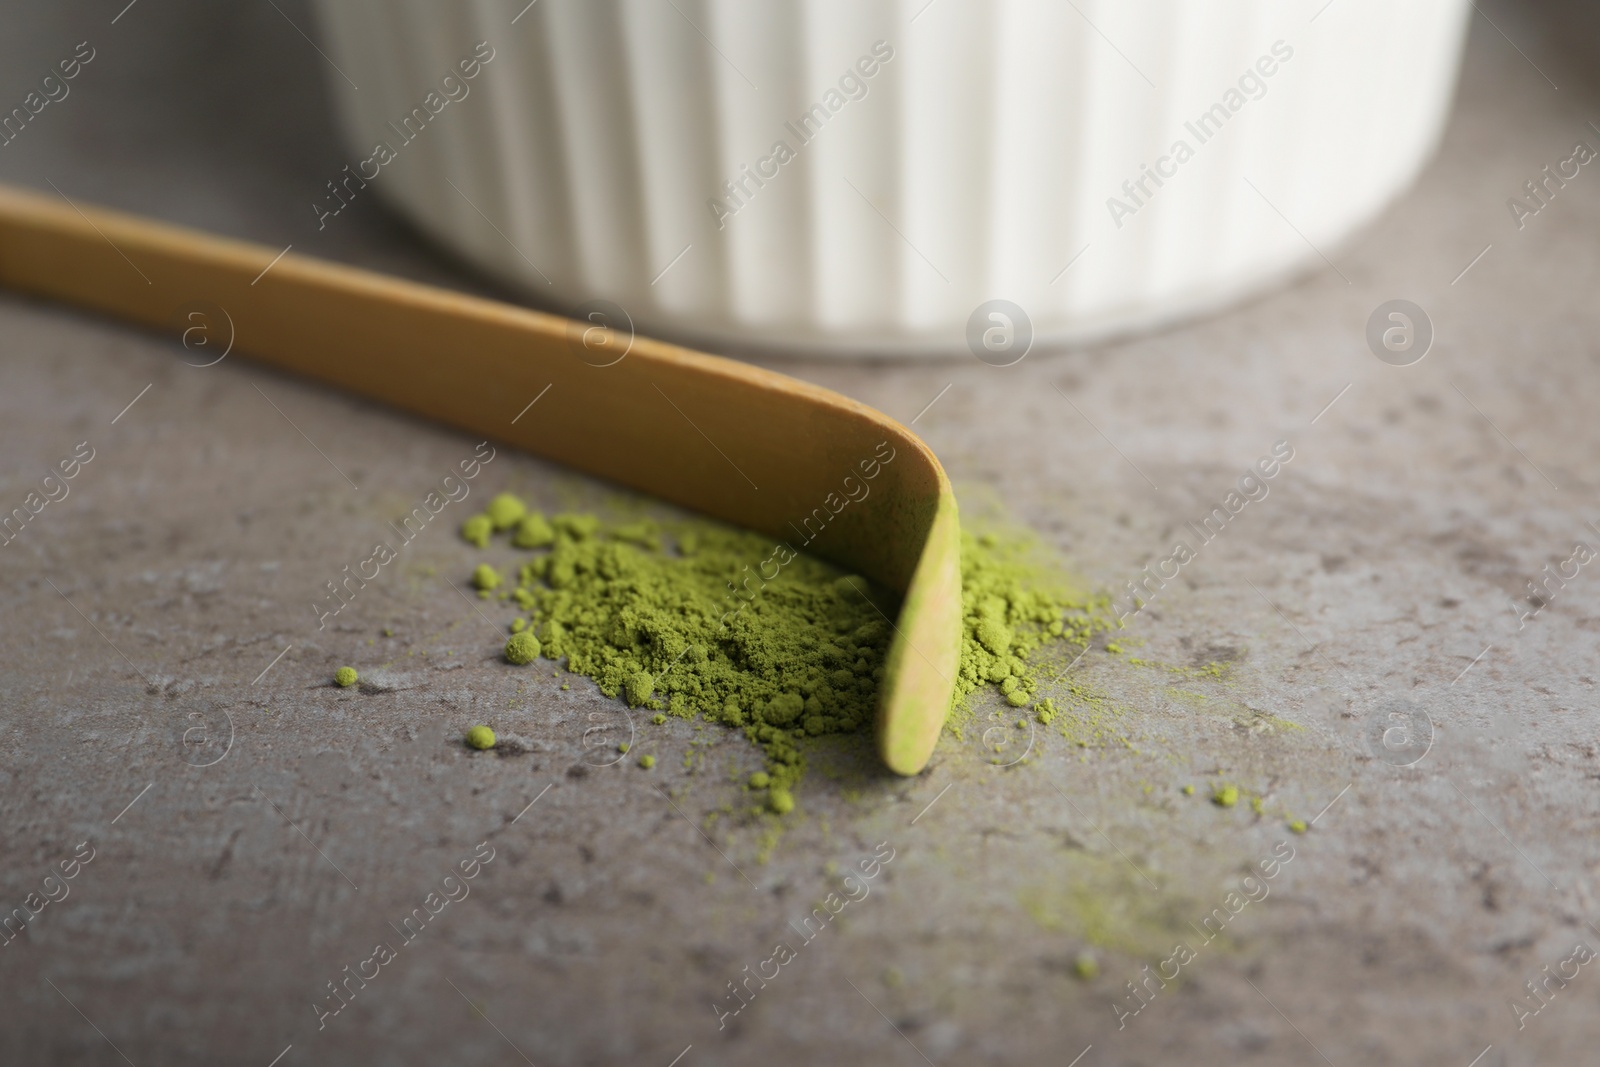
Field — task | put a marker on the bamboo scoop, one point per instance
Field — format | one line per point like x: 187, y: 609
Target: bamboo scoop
x: 749, y: 446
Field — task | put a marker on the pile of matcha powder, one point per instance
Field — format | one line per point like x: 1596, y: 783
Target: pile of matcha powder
x: 698, y: 620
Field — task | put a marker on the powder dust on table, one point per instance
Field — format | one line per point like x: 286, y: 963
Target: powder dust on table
x: 703, y: 621
x: 1015, y: 609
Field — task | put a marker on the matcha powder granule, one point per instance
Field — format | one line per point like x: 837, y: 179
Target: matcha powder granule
x: 699, y: 620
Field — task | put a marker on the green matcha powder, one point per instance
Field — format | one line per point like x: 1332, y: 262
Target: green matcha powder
x: 681, y: 618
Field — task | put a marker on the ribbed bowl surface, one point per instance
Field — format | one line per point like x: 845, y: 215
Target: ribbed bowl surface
x: 858, y: 176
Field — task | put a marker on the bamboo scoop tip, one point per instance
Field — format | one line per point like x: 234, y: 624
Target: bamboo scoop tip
x: 924, y: 657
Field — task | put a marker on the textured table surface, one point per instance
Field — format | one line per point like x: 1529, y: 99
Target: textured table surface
x: 255, y: 831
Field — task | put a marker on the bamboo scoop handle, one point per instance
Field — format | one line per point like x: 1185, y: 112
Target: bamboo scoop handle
x: 746, y: 445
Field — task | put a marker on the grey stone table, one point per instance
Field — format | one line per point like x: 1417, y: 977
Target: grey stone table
x: 241, y: 835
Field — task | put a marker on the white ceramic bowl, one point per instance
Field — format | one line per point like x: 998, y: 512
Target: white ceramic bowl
x: 859, y: 176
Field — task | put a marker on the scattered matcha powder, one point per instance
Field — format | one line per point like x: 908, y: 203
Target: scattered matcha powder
x: 650, y: 612
x: 1298, y: 826
x: 480, y: 737
x: 678, y: 617
x: 1015, y: 610
x: 647, y: 762
x: 345, y: 677
x: 1225, y: 796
